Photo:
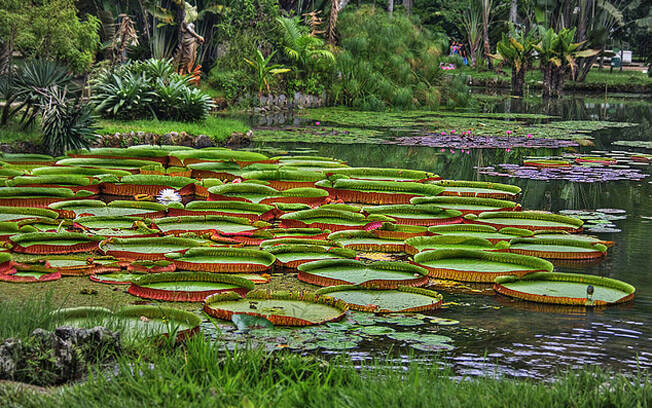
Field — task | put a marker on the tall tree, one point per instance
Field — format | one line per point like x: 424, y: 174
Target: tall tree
x: 486, y: 6
x: 390, y: 6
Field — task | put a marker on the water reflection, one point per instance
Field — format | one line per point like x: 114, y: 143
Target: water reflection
x: 529, y: 339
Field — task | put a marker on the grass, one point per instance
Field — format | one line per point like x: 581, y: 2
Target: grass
x: 217, y: 128
x: 12, y: 134
x: 200, y: 374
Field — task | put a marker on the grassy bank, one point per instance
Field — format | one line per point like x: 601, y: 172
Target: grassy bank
x: 596, y: 80
x: 217, y: 128
x: 201, y: 375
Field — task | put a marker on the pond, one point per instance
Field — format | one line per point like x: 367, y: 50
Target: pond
x: 499, y: 335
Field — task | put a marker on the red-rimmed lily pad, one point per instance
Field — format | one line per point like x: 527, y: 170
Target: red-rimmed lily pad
x: 366, y: 241
x: 565, y: 289
x: 488, y: 232
x: 377, y: 275
x: 280, y: 308
x: 293, y: 255
x: 227, y: 260
x: 530, y: 220
x: 375, y: 173
x: 468, y: 205
x: 400, y: 300
x: 187, y: 286
x: 78, y: 208
x: 480, y: 189
x: 23, y: 273
x: 377, y: 191
x: 419, y: 244
x: 239, y: 209
x: 416, y: 214
x: 478, y: 266
x: 39, y: 243
x: 223, y: 225
x: 150, y: 248
x: 553, y: 248
x: 334, y: 220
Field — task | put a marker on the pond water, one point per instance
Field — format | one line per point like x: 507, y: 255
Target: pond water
x: 517, y: 338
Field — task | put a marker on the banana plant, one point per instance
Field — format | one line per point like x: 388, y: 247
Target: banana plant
x: 517, y: 51
x: 264, y: 71
x: 558, y: 56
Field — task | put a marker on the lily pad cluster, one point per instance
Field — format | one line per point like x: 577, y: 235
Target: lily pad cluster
x: 209, y: 225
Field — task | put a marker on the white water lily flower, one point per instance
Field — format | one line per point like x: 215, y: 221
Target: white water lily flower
x: 168, y: 196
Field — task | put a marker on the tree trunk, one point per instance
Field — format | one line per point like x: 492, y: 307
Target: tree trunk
x: 332, y: 22
x: 513, y: 9
x: 390, y: 7
x: 486, y: 8
x: 547, y: 81
x: 407, y: 4
x: 518, y: 80
x: 6, y: 52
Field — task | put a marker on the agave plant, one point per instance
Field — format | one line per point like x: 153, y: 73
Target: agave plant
x: 66, y: 123
x: 123, y: 95
x: 264, y: 71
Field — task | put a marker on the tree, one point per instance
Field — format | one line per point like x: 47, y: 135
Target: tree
x: 469, y: 21
x: 558, y: 55
x: 516, y: 50
x: 48, y: 29
x: 486, y: 6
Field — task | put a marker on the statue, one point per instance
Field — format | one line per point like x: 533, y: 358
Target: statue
x: 125, y: 37
x: 186, y: 53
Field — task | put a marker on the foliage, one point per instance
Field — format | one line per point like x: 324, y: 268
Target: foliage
x: 264, y: 71
x: 517, y: 51
x: 66, y: 124
x: 50, y: 29
x: 389, y: 62
x: 141, y: 90
x: 304, y: 48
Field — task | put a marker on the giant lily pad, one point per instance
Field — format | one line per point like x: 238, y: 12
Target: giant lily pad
x: 38, y: 243
x: 280, y: 308
x: 481, y: 231
x: 565, y: 289
x: 374, y: 173
x: 419, y: 244
x: 478, y: 266
x: 293, y: 255
x: 480, y: 189
x: 133, y: 321
x: 80, y: 171
x: 400, y: 300
x: 187, y: 286
x: 557, y: 248
x: 284, y: 179
x: 39, y: 197
x: 531, y: 220
x: 78, y: 208
x: 227, y: 260
x: 18, y: 213
x: 117, y: 164
x: 379, y: 275
x: 417, y: 214
x: 241, y: 209
x: 219, y: 154
x: 334, y: 220
x: 468, y: 205
x: 366, y: 241
x: 377, y: 191
x: 151, y: 248
x: 149, y: 184
x: 223, y: 225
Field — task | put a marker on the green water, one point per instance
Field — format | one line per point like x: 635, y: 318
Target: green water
x: 523, y: 338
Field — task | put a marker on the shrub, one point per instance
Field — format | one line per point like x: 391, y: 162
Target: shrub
x: 142, y: 90
x: 389, y: 62
x: 67, y: 124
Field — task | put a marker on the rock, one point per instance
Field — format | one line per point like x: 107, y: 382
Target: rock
x: 240, y: 139
x: 56, y: 357
x: 202, y: 141
x: 166, y: 139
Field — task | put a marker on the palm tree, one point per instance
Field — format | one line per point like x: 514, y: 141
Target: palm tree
x: 300, y: 46
x: 469, y: 22
x: 517, y: 51
x: 558, y: 55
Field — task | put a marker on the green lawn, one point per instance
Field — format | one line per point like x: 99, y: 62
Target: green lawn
x: 217, y: 128
x: 12, y: 134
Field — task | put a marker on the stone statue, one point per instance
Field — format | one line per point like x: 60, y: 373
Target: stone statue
x: 186, y: 54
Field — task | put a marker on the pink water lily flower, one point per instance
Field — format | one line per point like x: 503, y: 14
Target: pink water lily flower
x: 443, y: 133
x: 443, y: 150
x: 509, y: 132
x: 453, y: 132
x: 317, y: 123
x: 529, y: 135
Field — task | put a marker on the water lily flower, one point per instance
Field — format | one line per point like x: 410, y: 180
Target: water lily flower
x: 317, y: 123
x: 443, y: 150
x: 452, y: 151
x: 453, y: 132
x: 443, y: 133
x: 468, y: 152
x: 168, y: 196
x: 509, y: 132
x: 529, y: 135
x: 508, y: 150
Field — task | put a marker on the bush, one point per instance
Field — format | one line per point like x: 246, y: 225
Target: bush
x: 142, y: 90
x: 389, y: 62
x: 231, y: 83
x: 67, y: 124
